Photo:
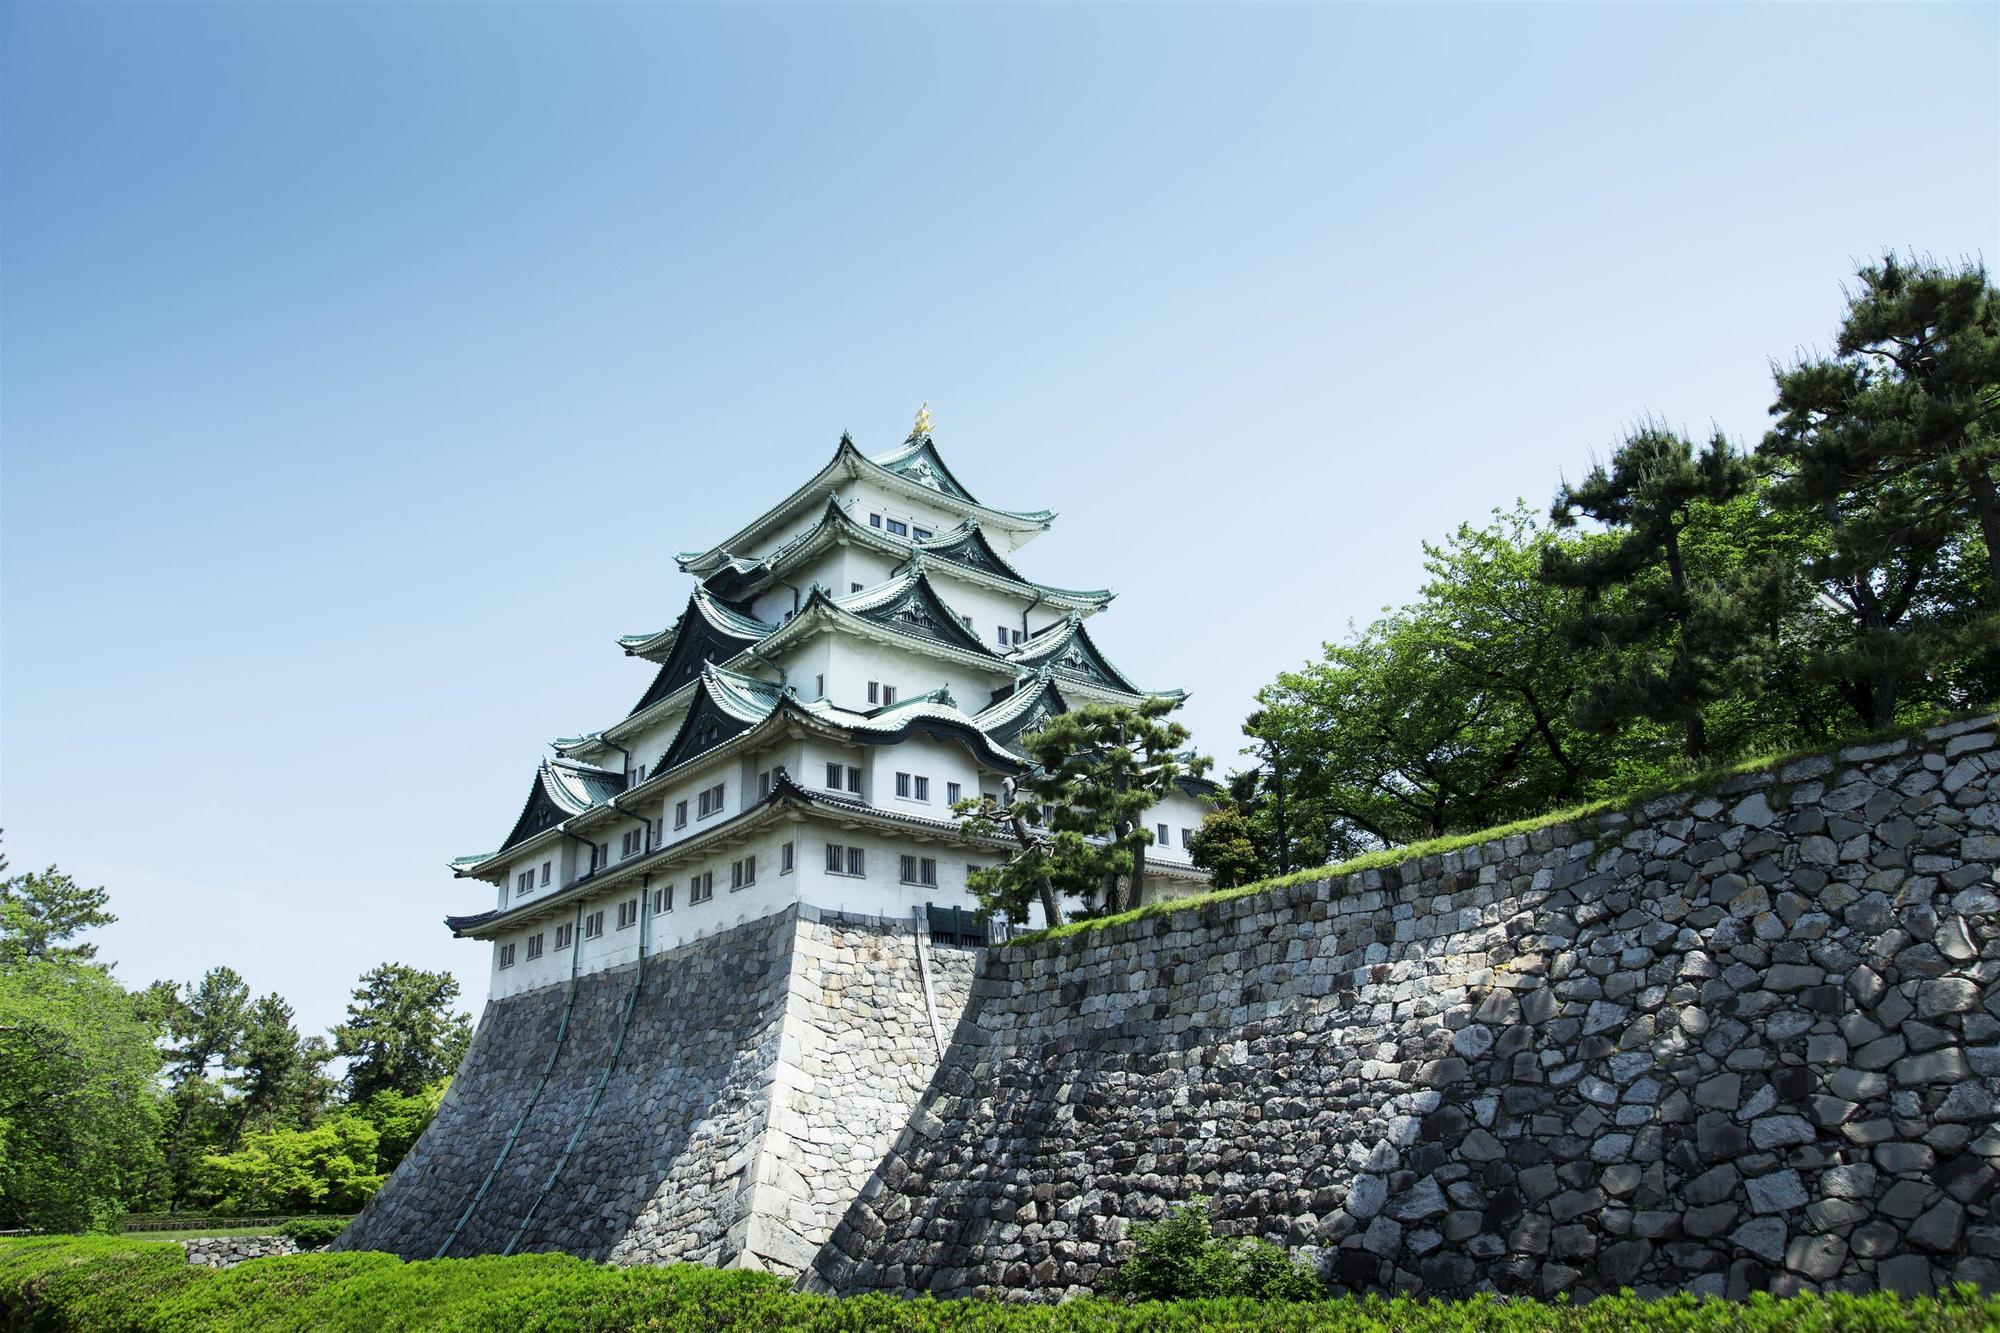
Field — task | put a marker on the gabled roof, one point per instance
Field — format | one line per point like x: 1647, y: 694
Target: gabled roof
x: 917, y: 459
x: 562, y: 788
x: 709, y: 630
x: 1034, y: 700
x: 704, y: 608
x: 910, y: 604
x: 1066, y: 648
x: 849, y: 463
x: 726, y: 703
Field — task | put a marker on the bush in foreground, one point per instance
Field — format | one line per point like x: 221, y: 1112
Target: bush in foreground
x: 309, y: 1233
x: 104, y: 1285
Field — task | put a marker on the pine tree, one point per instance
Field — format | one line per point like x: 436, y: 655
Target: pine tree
x: 204, y: 1025
x: 1226, y: 846
x: 279, y: 1084
x: 1077, y: 817
x: 400, y: 1031
x: 39, y: 913
x: 1893, y: 444
x: 1678, y: 639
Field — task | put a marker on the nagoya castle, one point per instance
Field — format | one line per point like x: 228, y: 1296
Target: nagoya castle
x: 731, y: 931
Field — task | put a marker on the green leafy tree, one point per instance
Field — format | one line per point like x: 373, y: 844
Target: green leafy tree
x: 1893, y: 445
x: 1077, y: 818
x: 79, y: 1118
x: 1226, y: 846
x: 1453, y: 713
x: 40, y: 913
x: 330, y: 1167
x: 399, y: 1118
x: 1673, y: 640
x: 401, y: 1032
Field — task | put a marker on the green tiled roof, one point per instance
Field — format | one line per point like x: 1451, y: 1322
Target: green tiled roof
x: 963, y: 547
x: 709, y: 630
x: 1066, y: 648
x: 849, y: 461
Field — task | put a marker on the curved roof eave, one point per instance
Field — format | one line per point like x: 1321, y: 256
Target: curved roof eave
x: 849, y: 461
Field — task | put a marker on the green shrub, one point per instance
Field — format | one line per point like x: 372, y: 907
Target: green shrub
x: 1177, y: 1259
x: 108, y: 1285
x: 309, y: 1233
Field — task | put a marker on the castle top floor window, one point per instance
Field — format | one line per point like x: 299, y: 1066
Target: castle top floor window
x: 898, y: 528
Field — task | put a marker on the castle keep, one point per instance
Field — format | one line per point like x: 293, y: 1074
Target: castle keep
x: 731, y: 932
x: 1728, y: 1040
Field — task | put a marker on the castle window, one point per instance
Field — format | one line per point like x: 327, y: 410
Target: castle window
x: 833, y: 772
x: 921, y: 534
x: 701, y: 887
x: 663, y: 899
x: 953, y: 793
x: 819, y: 686
x: 506, y: 955
x: 920, y: 870
x: 874, y: 691
x: 845, y: 860
x: 785, y: 859
x: 903, y: 785
x: 743, y: 873
x: 680, y: 814
x: 854, y: 779
x: 534, y: 946
x: 1162, y: 829
x: 523, y: 882
x: 898, y: 528
x: 854, y: 587
x: 593, y: 925
x: 708, y: 802
x: 888, y: 695
x: 1000, y: 635
x: 923, y: 787
x: 632, y: 843
x: 764, y: 784
x: 546, y: 865
x: 874, y: 520
x: 565, y: 935
x: 628, y: 914
x: 1187, y: 838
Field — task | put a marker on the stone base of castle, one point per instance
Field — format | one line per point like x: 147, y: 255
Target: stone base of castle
x: 721, y: 1105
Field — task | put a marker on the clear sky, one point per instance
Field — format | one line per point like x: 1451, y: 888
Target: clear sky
x: 363, y: 365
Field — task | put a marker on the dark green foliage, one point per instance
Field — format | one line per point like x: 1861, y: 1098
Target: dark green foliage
x: 310, y: 1233
x: 1077, y: 817
x: 401, y: 1034
x: 1226, y: 846
x: 1890, y: 447
x: 40, y: 913
x: 1453, y: 713
x: 1178, y: 1259
x: 115, y: 1286
x: 1668, y: 638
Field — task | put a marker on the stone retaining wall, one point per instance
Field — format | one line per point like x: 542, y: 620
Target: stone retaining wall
x: 762, y: 1075
x: 229, y: 1251
x: 1729, y: 1041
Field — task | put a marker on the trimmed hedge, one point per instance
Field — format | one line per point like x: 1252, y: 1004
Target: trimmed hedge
x: 108, y: 1285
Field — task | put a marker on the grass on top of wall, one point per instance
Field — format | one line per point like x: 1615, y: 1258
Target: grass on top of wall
x: 108, y: 1285
x: 1390, y: 856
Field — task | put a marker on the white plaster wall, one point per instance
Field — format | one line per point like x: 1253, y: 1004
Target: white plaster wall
x: 853, y: 661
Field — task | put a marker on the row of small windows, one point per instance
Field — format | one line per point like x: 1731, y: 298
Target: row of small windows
x: 895, y: 527
x: 839, y: 777
x: 701, y: 888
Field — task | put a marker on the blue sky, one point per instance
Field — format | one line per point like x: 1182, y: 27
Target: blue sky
x: 362, y: 366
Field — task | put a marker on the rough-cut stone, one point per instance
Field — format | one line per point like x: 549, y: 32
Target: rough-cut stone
x: 1728, y: 1043
x: 769, y: 1065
